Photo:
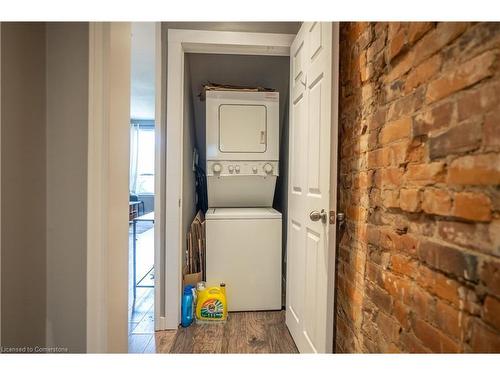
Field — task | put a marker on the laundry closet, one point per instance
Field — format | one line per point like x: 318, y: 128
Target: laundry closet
x: 237, y: 140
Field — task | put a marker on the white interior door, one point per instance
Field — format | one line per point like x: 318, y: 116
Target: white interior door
x: 309, y: 305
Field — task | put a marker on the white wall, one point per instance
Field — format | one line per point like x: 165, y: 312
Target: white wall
x: 67, y: 122
x: 23, y: 184
x: 44, y: 150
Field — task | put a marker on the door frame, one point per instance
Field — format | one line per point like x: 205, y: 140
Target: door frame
x: 179, y: 43
x: 0, y: 183
x: 107, y: 186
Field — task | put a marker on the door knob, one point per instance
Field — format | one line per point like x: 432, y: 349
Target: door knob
x: 316, y: 216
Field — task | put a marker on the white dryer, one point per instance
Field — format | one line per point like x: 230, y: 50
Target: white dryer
x: 242, y: 138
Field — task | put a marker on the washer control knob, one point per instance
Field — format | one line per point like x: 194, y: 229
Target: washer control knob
x: 230, y: 169
x: 254, y: 169
x: 237, y: 168
x: 268, y: 168
x: 217, y: 168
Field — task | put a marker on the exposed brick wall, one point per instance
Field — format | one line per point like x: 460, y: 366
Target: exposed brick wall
x: 418, y: 266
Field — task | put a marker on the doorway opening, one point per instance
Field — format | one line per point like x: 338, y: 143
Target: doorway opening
x: 238, y: 70
x: 141, y: 283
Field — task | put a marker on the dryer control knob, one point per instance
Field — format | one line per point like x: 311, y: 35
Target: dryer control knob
x: 217, y: 168
x: 237, y: 168
x: 268, y: 168
x: 230, y: 169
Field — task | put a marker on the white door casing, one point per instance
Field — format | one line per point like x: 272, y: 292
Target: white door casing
x: 310, y: 275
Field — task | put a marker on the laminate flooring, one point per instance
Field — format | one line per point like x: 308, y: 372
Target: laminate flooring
x: 244, y: 332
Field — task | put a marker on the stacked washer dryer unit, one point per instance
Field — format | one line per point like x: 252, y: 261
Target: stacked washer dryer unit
x: 243, y: 231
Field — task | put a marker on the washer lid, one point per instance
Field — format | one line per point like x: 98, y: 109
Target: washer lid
x: 222, y: 213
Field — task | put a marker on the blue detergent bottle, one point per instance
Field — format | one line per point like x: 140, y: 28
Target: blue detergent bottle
x: 187, y: 312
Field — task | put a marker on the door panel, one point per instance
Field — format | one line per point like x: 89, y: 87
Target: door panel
x: 309, y: 291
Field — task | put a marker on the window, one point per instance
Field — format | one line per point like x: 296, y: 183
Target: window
x: 142, y: 158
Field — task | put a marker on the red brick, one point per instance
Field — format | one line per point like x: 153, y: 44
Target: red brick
x: 393, y: 28
x: 424, y: 174
x: 475, y: 170
x: 402, y: 314
x: 416, y: 153
x: 377, y: 119
x: 422, y: 73
x: 490, y: 277
x: 372, y: 235
x: 449, y: 259
x: 417, y: 29
x: 387, y: 326
x: 433, y: 120
x: 356, y: 213
x: 398, y: 152
x: 461, y: 77
x: 412, y: 344
x: 422, y: 303
x: 484, y: 339
x: 390, y: 177
x: 457, y: 139
x: 362, y: 66
x: 403, y: 265
x: 374, y: 273
x: 472, y: 206
x: 399, y: 288
x: 409, y: 199
x: 470, y: 235
x: 377, y: 46
x: 380, y: 298
x: 402, y: 66
x: 491, y: 131
x: 450, y: 320
x: 362, y: 180
x: 433, y: 338
x: 439, y: 285
x: 379, y: 158
x: 478, y: 101
x: 492, y: 311
x: 436, y: 202
x: 406, y: 106
x: 405, y: 243
x: 433, y: 41
x: 395, y: 130
x: 390, y: 198
x: 396, y: 44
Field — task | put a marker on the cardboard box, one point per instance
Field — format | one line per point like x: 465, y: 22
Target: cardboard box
x: 191, y: 278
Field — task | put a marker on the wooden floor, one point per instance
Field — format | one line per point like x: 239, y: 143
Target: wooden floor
x: 244, y: 332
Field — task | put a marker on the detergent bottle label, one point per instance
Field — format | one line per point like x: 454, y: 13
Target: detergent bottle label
x: 212, y: 309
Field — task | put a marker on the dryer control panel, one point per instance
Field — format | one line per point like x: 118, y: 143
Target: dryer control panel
x: 242, y: 168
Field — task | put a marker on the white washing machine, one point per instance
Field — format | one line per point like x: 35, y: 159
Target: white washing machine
x: 244, y: 251
x: 243, y: 231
